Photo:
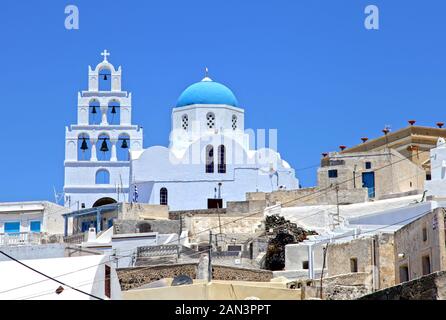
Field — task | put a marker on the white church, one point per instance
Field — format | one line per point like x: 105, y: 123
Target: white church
x: 208, y: 162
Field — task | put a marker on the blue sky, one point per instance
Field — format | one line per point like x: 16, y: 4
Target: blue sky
x: 307, y: 68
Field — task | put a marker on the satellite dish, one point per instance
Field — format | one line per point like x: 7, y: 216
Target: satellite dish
x: 182, y: 280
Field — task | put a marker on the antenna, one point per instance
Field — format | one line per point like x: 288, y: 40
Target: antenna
x: 58, y: 196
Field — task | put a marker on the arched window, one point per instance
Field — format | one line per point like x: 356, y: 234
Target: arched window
x: 123, y: 147
x: 105, y: 80
x: 103, y: 148
x: 102, y: 177
x: 114, y: 112
x: 209, y: 159
x: 234, y: 122
x: 185, y: 122
x: 210, y: 117
x: 221, y: 159
x: 163, y: 197
x: 94, y: 113
x: 83, y: 147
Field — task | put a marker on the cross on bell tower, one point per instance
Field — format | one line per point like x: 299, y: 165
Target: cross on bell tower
x: 105, y: 54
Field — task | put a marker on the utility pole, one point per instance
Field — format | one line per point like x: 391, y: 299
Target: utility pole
x: 335, y: 217
x: 210, y: 257
x: 179, y: 236
x: 323, y: 267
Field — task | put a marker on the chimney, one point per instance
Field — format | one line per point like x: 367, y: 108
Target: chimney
x: 91, y: 235
x: 365, y: 139
x: 342, y: 148
x: 440, y: 124
x: 412, y: 122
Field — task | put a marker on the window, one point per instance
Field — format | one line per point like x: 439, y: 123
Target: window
x: 305, y: 265
x: 163, y: 197
x: 35, y: 226
x: 424, y: 234
x: 353, y: 265
x: 332, y: 173
x: 234, y: 122
x: 428, y: 177
x: 12, y: 227
x: 209, y: 159
x: 404, y: 273
x: 426, y: 262
x: 221, y: 159
x: 185, y: 122
x: 102, y: 177
x: 107, y: 282
x: 368, y: 165
x: 210, y: 120
x: 234, y: 248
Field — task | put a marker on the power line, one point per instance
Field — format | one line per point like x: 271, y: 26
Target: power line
x: 257, y: 212
x: 47, y: 276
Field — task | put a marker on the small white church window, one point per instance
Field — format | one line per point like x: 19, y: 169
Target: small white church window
x: 210, y: 120
x: 185, y: 122
x: 234, y: 122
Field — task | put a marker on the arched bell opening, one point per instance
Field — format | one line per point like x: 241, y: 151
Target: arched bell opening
x: 103, y: 147
x: 84, y: 147
x: 114, y: 112
x: 94, y: 112
x: 103, y: 202
x: 105, y: 79
x: 123, y: 147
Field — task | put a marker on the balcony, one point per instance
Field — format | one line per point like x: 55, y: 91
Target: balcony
x: 20, y: 239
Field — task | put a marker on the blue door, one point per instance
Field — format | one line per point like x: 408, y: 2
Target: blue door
x: 87, y: 224
x: 368, y: 181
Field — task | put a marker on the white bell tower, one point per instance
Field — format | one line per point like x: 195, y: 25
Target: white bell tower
x: 97, y: 167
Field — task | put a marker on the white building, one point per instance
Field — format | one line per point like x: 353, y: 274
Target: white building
x: 97, y: 166
x: 93, y: 274
x: 436, y: 187
x: 24, y: 222
x: 209, y: 160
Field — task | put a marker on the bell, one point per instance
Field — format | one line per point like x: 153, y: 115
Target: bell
x: 104, y: 147
x: 94, y: 110
x: 105, y: 77
x: 113, y: 110
x: 124, y: 144
x: 84, y: 145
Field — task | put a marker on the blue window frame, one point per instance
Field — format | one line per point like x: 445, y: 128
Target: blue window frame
x: 35, y: 226
x: 12, y: 227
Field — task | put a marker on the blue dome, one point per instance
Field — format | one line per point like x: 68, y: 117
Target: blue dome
x: 207, y: 92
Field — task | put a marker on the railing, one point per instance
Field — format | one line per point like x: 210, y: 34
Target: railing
x: 155, y: 251
x: 20, y: 238
x: 75, y: 238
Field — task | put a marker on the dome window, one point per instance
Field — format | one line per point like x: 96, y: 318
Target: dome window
x: 185, y: 121
x: 210, y: 120
x: 234, y: 122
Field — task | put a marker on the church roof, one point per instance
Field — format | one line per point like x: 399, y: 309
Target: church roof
x: 207, y: 92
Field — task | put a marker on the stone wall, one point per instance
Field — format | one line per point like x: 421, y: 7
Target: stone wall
x: 138, y: 226
x: 132, y: 278
x: 430, y: 287
x: 310, y: 196
x: 138, y: 211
